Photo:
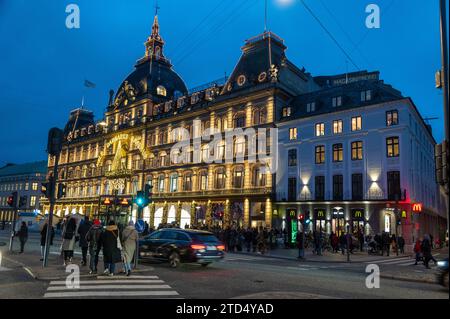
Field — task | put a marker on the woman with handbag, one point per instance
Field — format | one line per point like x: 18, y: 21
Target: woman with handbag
x: 110, y: 242
x: 129, y: 239
x: 68, y: 243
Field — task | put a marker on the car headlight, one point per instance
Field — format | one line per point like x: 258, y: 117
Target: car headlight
x: 442, y: 263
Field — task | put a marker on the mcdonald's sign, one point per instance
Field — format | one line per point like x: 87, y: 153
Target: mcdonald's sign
x: 417, y: 207
x: 358, y: 214
x: 107, y: 201
x: 320, y: 214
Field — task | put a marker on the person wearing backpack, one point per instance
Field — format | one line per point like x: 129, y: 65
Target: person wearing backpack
x: 112, y: 247
x: 94, y: 244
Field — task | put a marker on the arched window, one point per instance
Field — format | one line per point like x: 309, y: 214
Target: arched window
x: 239, y: 146
x: 239, y: 120
x: 259, y: 179
x: 219, y: 178
x: 161, y: 90
x: 238, y: 177
x: 187, y: 182
x: 174, y: 182
x: 256, y: 117
x: 203, y: 180
x: 84, y: 171
x: 161, y: 186
x: 205, y: 153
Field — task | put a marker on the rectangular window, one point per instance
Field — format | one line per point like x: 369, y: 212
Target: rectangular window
x: 292, y: 189
x: 204, y: 182
x: 33, y: 201
x: 357, y: 151
x: 338, y: 153
x: 392, y: 118
x: 320, y: 187
x: 337, y: 127
x: 337, y: 101
x: 311, y: 107
x: 393, y: 185
x: 338, y: 187
x: 320, y: 129
x: 292, y: 157
x: 357, y: 186
x: 356, y: 123
x: 34, y: 186
x: 320, y: 154
x: 293, y: 133
x: 366, y: 95
x: 392, y: 147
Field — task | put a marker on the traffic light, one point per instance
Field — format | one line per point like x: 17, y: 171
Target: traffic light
x: 12, y: 200
x: 308, y: 217
x: 61, y: 190
x: 140, y: 199
x: 22, y: 201
x: 301, y: 217
x: 441, y: 156
x: 148, y: 193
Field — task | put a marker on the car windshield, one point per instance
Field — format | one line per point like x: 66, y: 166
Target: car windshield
x: 204, y: 238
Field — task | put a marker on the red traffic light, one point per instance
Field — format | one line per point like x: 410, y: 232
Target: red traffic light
x: 10, y: 201
x: 301, y: 217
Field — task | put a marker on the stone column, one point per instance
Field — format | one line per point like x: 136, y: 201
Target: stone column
x: 230, y: 117
x: 270, y: 110
x: 247, y: 175
x: 178, y: 214
x: 208, y: 217
x: 195, y: 180
x: 210, y: 177
x: 227, y: 218
x: 193, y: 221
x: 248, y: 114
x: 246, y: 213
x: 228, y: 180
x: 268, y: 213
x: 152, y: 215
x: 165, y: 213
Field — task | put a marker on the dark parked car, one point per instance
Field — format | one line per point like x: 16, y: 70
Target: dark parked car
x: 178, y: 245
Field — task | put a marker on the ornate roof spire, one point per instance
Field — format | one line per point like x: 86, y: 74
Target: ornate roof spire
x: 154, y: 44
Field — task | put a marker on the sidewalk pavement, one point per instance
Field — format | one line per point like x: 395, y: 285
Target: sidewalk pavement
x: 30, y: 262
x: 419, y: 274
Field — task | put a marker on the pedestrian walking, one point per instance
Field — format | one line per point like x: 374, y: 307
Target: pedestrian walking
x: 44, y: 238
x: 129, y: 239
x: 68, y: 244
x: 23, y: 236
x: 426, y: 250
x: 394, y: 244
x: 418, y: 250
x: 261, y: 241
x: 401, y: 244
x: 300, y: 245
x: 110, y: 242
x: 248, y: 239
x: 93, y: 239
x: 342, y: 243
x: 83, y: 229
x: 334, y: 241
x: 386, y: 243
x: 361, y: 239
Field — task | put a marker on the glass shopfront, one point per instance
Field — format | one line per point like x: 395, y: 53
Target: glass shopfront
x: 320, y: 219
x: 358, y: 220
x: 338, y: 221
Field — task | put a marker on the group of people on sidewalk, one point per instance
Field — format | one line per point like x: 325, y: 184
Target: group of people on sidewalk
x: 117, y: 245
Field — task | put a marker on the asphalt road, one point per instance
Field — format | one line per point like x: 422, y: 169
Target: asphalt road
x: 237, y: 276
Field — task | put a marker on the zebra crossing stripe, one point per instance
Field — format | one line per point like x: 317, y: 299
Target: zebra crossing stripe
x: 124, y: 281
x: 73, y: 294
x: 130, y: 277
x: 387, y: 260
x: 398, y: 261
x: 117, y: 287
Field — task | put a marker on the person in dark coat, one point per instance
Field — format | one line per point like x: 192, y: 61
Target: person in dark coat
x: 386, y: 243
x: 426, y: 251
x: 401, y: 244
x: 93, y: 238
x: 342, y: 242
x: 248, y: 239
x: 83, y: 229
x: 44, y: 238
x: 23, y: 236
x: 300, y: 245
x: 361, y: 239
x: 111, y: 251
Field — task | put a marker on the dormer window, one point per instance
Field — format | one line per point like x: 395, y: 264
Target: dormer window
x: 366, y: 95
x: 337, y: 101
x: 287, y: 111
x: 195, y: 98
x: 311, y: 107
x: 161, y: 90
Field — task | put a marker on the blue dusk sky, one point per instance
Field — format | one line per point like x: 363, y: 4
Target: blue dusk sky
x: 43, y: 64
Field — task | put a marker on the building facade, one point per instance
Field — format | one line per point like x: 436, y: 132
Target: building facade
x: 358, y: 154
x: 155, y: 132
x: 25, y: 179
x: 151, y: 112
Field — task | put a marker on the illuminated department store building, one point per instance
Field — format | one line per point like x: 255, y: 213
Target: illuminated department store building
x: 346, y: 148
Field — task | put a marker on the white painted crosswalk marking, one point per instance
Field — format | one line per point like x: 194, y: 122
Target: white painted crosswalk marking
x: 120, y: 286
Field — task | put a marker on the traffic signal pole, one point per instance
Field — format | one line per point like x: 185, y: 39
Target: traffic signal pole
x: 13, y: 228
x: 50, y: 213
